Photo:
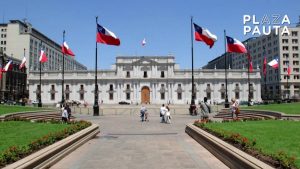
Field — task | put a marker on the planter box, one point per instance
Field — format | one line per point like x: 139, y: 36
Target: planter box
x: 228, y: 154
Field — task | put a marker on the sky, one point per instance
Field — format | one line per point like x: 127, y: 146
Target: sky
x: 166, y: 25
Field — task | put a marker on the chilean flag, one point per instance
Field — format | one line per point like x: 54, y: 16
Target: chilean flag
x: 107, y: 37
x: 265, y: 66
x: 43, y: 58
x: 23, y: 63
x: 289, y: 69
x: 234, y: 45
x: 7, y: 66
x: 66, y: 50
x: 144, y: 42
x: 274, y: 63
x: 202, y: 34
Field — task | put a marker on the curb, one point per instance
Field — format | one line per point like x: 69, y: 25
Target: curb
x: 5, y: 116
x: 228, y: 154
x: 48, y: 156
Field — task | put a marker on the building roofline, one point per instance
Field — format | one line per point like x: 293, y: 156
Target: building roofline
x: 148, y: 57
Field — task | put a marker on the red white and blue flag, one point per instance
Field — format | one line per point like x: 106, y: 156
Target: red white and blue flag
x: 43, y: 58
x: 23, y: 63
x: 66, y: 50
x: 144, y: 42
x: 234, y: 45
x: 107, y: 37
x: 8, y: 66
x: 274, y: 63
x: 204, y: 35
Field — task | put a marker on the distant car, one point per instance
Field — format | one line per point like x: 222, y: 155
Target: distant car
x: 123, y: 102
x: 34, y: 102
x: 11, y: 102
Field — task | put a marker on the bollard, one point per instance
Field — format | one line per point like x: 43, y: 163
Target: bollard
x: 88, y: 110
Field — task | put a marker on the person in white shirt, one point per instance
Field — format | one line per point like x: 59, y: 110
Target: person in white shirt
x: 168, y: 115
x: 65, y: 115
x: 162, y: 113
x: 234, y: 107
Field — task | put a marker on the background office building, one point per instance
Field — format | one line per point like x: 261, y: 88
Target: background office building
x: 153, y: 80
x: 287, y: 49
x: 17, y: 35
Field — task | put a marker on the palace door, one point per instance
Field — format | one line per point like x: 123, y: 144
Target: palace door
x: 145, y: 95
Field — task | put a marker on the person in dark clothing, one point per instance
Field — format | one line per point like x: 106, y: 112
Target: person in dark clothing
x: 69, y: 112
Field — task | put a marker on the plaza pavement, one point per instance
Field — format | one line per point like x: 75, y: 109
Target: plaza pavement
x: 127, y: 143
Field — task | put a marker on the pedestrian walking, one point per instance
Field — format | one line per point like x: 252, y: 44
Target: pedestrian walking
x: 162, y: 113
x: 64, y: 115
x: 168, y: 115
x: 142, y: 113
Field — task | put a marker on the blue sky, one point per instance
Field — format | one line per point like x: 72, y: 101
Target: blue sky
x: 165, y: 24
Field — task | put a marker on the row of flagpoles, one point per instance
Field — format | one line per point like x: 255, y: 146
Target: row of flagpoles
x: 105, y: 36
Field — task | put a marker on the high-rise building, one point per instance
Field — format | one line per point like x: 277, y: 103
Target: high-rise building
x: 16, y: 36
x: 286, y: 47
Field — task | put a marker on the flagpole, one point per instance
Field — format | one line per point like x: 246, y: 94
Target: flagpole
x: 96, y: 106
x: 265, y: 74
x: 192, y: 106
x: 63, y: 73
x: 23, y: 85
x: 287, y: 84
x: 249, y: 57
x: 40, y: 89
x: 226, y: 105
x: 249, y: 99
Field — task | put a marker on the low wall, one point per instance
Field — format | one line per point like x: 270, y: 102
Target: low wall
x: 228, y: 154
x: 48, y: 156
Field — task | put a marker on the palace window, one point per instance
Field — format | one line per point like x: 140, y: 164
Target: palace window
x: 162, y: 74
x: 237, y: 95
x: 111, y: 96
x: 162, y: 96
x: 81, y: 96
x: 251, y: 91
x: 38, y: 90
x: 67, y: 93
x: 145, y: 74
x: 128, y: 74
x: 128, y: 92
x: 179, y: 96
x: 127, y: 96
x: 52, y: 92
x: 111, y: 92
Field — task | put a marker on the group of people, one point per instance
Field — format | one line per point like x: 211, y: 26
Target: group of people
x: 65, y: 113
x: 144, y: 114
x: 165, y: 114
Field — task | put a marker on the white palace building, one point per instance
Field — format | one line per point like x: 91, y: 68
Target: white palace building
x: 145, y: 79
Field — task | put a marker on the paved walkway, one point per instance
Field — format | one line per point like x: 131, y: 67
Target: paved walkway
x: 127, y: 143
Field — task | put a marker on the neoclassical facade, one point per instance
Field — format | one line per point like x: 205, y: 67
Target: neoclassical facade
x: 145, y: 79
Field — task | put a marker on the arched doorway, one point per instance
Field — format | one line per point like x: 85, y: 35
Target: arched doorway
x: 145, y: 95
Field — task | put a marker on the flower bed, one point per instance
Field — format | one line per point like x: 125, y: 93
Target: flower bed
x: 16, y: 152
x: 279, y: 159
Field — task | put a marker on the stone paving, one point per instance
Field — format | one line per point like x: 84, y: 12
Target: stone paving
x: 127, y: 143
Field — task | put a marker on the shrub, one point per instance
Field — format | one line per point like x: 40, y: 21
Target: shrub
x: 15, y: 153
